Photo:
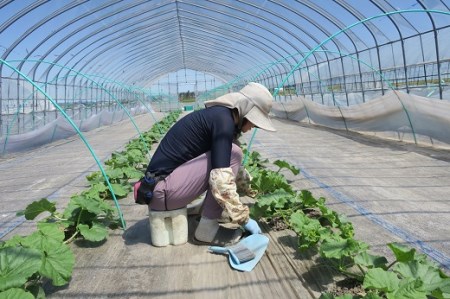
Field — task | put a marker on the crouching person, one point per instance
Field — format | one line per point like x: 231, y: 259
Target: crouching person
x: 199, y: 153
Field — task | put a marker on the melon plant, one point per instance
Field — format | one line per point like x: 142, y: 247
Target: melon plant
x: 27, y: 261
x: 410, y: 275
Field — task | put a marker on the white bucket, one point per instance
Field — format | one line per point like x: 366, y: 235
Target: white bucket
x: 168, y: 227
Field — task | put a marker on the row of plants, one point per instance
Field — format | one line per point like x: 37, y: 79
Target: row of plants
x: 27, y: 262
x: 411, y: 275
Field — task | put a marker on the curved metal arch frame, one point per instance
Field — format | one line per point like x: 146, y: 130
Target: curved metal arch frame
x: 116, y: 42
x: 36, y: 26
x: 257, y: 25
x: 359, y: 16
x: 70, y: 23
x: 378, y: 4
x: 263, y: 49
x: 370, y: 29
x: 320, y: 28
x: 178, y: 9
x: 309, y: 19
x: 263, y: 38
x: 90, y: 35
x: 22, y: 13
x: 234, y: 59
x: 176, y: 67
x: 92, y: 23
x: 250, y: 41
x: 198, y: 44
x: 390, y: 17
x: 147, y: 57
x: 69, y: 50
x: 336, y: 23
x: 436, y: 44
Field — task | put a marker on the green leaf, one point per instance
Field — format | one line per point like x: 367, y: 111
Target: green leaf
x: 93, y: 205
x: 58, y: 262
x: 95, y: 177
x: 276, y: 199
x: 370, y: 261
x: 116, y: 173
x: 132, y: 173
x: 257, y: 212
x: 15, y: 293
x: 345, y: 226
x: 329, y: 215
x: 408, y: 289
x: 283, y: 164
x: 13, y: 242
x: 97, y: 232
x: 117, y: 160
x: 380, y: 279
x: 445, y: 287
x: 136, y: 156
x: 309, y: 230
x: 308, y: 199
x: 402, y: 253
x: 429, y: 275
x: 120, y: 190
x: 51, y: 230
x: 339, y: 248
x: 17, y: 264
x: 96, y: 189
x: 38, y: 207
x: 267, y: 181
x: 444, y: 291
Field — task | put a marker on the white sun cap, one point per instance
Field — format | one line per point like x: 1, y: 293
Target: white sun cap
x: 253, y: 102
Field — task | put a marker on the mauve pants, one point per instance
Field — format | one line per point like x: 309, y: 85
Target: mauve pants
x: 190, y: 180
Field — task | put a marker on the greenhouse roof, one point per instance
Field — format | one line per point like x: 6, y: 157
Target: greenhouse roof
x: 138, y: 41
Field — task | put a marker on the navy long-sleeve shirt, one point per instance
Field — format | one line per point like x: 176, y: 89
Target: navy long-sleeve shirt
x: 211, y: 129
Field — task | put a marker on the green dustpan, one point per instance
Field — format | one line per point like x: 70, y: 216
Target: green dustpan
x: 256, y: 243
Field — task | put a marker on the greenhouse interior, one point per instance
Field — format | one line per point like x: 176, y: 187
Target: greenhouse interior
x: 324, y: 123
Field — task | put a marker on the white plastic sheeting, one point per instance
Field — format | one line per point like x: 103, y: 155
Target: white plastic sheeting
x: 396, y: 115
x: 60, y: 128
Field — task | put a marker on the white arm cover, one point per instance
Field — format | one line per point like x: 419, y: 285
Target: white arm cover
x: 223, y: 187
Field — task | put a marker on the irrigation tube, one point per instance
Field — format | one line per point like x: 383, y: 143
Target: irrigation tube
x: 79, y: 133
x: 84, y: 76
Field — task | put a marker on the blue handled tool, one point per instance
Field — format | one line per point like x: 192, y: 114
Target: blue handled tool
x: 245, y: 254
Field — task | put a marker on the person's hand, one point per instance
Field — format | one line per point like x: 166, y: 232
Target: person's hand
x: 252, y: 227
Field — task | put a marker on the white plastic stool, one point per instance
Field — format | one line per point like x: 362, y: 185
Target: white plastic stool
x: 168, y: 227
